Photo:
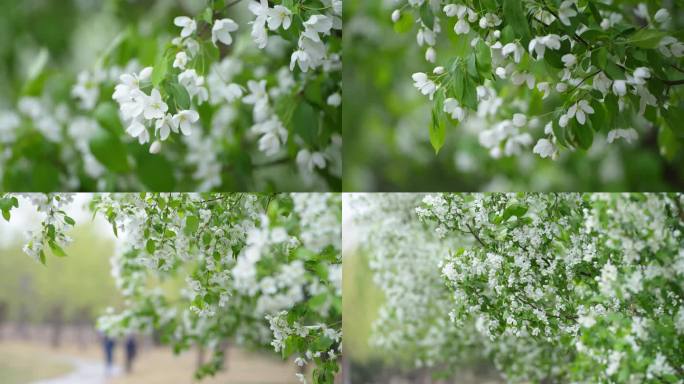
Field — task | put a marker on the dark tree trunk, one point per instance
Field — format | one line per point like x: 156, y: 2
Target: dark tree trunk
x: 56, y: 321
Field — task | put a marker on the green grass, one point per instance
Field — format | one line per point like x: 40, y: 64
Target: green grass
x: 22, y: 365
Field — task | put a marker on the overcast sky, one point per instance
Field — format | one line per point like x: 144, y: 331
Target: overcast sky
x: 27, y: 218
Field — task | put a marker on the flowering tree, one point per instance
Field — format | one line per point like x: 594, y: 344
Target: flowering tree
x: 561, y: 287
x: 259, y: 270
x: 550, y: 75
x: 224, y: 104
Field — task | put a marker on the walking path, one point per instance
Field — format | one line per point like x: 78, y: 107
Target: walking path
x: 85, y: 372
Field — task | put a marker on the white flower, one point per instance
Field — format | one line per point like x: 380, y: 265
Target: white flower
x: 137, y: 129
x: 544, y: 88
x: 163, y: 127
x: 515, y: 49
x: 274, y: 135
x: 259, y: 32
x: 309, y: 55
x: 277, y: 16
x: 231, y: 92
x: 309, y: 161
x: 439, y: 70
x: 130, y: 83
x: 334, y: 100
x: 602, y: 83
x: 453, y: 108
x: 135, y: 104
x: 490, y: 20
x: 426, y: 86
x: 641, y: 74
x: 317, y: 24
x: 426, y: 36
x: 396, y: 14
x: 155, y: 147
x: 662, y: 16
x: 194, y: 84
x: 580, y: 110
x: 462, y: 27
x: 620, y: 87
x: 544, y: 148
x: 569, y: 60
x: 519, y: 120
x: 155, y: 107
x: 628, y: 134
x: 258, y: 97
x: 181, y: 60
x: 539, y: 44
x: 184, y: 121
x: 221, y: 31
x: 189, y: 25
x: 431, y: 55
x: 566, y: 11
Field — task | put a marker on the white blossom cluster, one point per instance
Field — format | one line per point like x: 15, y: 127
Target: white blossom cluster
x: 210, y: 62
x: 412, y: 326
x: 581, y: 82
x: 55, y: 224
x: 238, y: 268
x: 561, y: 287
x: 569, y: 273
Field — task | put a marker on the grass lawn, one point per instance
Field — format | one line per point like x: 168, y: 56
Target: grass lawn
x: 20, y: 364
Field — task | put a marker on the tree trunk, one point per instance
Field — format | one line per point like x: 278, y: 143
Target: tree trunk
x: 57, y: 322
x: 200, y: 357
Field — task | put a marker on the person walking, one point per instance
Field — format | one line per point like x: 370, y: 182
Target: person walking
x: 109, y: 343
x: 131, y: 352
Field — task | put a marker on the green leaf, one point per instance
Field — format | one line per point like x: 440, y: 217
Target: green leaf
x: 35, y: 79
x: 470, y: 94
x: 668, y: 143
x: 109, y: 151
x: 150, y: 246
x: 427, y: 16
x: 6, y: 214
x: 458, y: 84
x: 515, y: 209
x: 438, y: 126
x: 595, y: 12
x: 517, y: 19
x: 583, y: 134
x: 69, y: 220
x: 599, y: 120
x: 405, y: 23
x: 107, y: 115
x: 160, y: 70
x: 180, y: 96
x: 155, y: 172
x: 57, y: 250
x: 647, y: 38
x: 599, y: 58
x: 208, y: 15
x: 191, y: 225
x: 484, y: 58
x: 289, y: 347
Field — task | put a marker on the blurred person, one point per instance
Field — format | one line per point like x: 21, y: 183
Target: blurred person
x: 131, y: 352
x: 108, y: 343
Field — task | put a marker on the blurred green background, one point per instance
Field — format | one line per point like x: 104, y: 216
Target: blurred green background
x: 387, y: 148
x: 79, y: 286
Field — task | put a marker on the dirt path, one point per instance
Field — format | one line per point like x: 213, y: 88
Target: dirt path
x: 85, y: 372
